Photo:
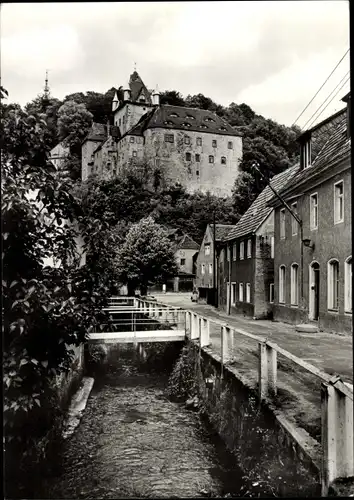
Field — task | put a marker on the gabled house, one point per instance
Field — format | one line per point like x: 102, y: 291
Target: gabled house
x: 205, y: 261
x: 246, y: 268
x: 313, y: 265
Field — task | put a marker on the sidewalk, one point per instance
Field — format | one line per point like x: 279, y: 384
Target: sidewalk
x: 299, y: 392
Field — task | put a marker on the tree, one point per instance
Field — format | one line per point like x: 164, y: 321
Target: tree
x: 45, y: 309
x: 74, y: 122
x: 100, y: 105
x: 146, y: 257
x: 172, y: 97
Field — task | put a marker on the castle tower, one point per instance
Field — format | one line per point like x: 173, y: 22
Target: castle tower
x: 156, y: 96
x: 115, y: 102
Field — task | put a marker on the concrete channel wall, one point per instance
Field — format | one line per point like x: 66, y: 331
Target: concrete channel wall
x: 332, y: 459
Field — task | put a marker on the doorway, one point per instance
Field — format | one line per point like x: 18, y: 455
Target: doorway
x: 314, y: 296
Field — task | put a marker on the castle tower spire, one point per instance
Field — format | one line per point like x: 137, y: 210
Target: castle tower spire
x: 46, y: 86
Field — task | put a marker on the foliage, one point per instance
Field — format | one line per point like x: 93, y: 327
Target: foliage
x: 99, y: 105
x: 46, y: 309
x: 146, y: 256
x: 74, y: 122
x: 182, y: 382
x: 172, y: 97
x: 46, y: 109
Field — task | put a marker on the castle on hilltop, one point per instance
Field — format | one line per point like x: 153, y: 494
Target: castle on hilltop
x: 194, y: 147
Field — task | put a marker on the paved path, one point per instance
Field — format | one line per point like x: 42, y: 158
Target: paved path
x: 298, y: 391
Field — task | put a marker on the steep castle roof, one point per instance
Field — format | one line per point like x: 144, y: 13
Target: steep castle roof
x: 138, y: 87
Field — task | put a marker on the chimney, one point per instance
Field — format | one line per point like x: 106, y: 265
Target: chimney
x: 156, y: 97
x: 347, y: 100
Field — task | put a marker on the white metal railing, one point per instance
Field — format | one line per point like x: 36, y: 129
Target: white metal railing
x: 337, y: 436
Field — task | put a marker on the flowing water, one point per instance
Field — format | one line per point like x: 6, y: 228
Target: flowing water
x: 134, y: 442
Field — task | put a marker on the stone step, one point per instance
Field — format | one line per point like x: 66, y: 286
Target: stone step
x: 307, y: 328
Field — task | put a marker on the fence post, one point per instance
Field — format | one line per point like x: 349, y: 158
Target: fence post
x: 227, y: 343
x: 337, y: 435
x: 267, y: 370
x: 194, y: 327
x: 205, y: 333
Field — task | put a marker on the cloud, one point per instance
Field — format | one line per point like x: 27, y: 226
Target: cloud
x: 229, y: 51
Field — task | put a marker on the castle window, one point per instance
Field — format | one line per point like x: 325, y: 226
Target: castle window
x: 169, y: 138
x: 120, y: 121
x: 197, y: 173
x: 190, y: 117
x: 142, y: 99
x: 187, y: 140
x: 197, y: 158
x: 211, y: 159
x: 174, y: 115
x: 185, y: 124
x: 123, y: 119
x: 132, y: 139
x: 168, y: 122
x: 134, y: 153
x: 223, y: 129
x: 223, y: 160
x: 209, y: 119
x: 188, y: 157
x: 214, y: 144
x: 203, y: 126
x: 199, y: 141
x: 230, y: 145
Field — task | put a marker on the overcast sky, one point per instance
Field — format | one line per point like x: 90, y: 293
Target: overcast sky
x: 273, y: 56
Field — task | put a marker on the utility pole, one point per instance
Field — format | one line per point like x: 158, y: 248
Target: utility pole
x: 214, y: 264
x: 255, y: 165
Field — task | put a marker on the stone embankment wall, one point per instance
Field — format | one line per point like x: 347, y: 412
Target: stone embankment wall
x: 66, y: 383
x: 264, y: 443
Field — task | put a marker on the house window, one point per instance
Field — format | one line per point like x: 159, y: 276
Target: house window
x: 183, y: 262
x: 211, y: 159
x: 282, y: 223
x: 271, y: 292
x: 228, y: 253
x: 272, y: 247
x: 242, y: 250
x: 199, y: 141
x: 203, y: 268
x: 248, y: 292
x: 187, y: 140
x: 210, y: 268
x: 134, y: 153
x: 306, y: 154
x: 120, y: 121
x: 207, y: 249
x: 197, y: 158
x: 333, y: 284
x: 223, y: 160
x: 314, y: 211
x: 348, y: 285
x: 234, y: 250
x: 132, y: 139
x: 240, y: 292
x: 294, y: 285
x: 233, y: 294
x: 230, y: 145
x: 282, y: 284
x: 338, y: 202
x: 188, y: 157
x: 294, y: 223
x: 249, y: 249
x: 197, y: 173
x: 169, y: 138
x: 214, y: 143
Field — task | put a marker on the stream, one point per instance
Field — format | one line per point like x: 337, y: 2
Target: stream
x: 134, y: 442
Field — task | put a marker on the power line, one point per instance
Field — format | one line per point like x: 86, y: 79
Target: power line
x: 324, y: 102
x: 330, y: 101
x: 328, y: 77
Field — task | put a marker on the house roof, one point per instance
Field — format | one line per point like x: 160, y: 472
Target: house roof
x: 259, y: 210
x: 190, y: 119
x: 187, y: 243
x: 321, y: 124
x: 98, y: 132
x: 335, y: 150
x: 221, y: 230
